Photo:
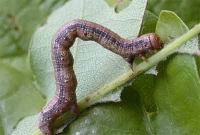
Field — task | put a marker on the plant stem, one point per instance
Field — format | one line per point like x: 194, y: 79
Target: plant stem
x: 141, y: 68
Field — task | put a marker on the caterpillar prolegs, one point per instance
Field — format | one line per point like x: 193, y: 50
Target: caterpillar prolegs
x: 65, y: 97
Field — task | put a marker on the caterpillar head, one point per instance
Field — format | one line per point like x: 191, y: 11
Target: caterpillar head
x: 156, y: 43
x: 147, y: 43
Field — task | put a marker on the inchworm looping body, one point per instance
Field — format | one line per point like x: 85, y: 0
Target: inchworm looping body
x: 65, y: 98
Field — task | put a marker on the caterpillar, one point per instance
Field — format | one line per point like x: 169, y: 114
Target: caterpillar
x: 65, y: 97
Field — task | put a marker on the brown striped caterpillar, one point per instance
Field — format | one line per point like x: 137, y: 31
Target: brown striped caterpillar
x: 65, y: 98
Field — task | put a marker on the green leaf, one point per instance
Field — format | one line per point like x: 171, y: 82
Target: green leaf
x: 111, y: 3
x: 187, y: 10
x: 18, y: 20
x: 198, y: 63
x: 171, y: 99
x: 178, y: 103
x: 149, y: 23
x: 104, y: 66
x: 119, y: 5
x: 19, y: 97
x: 27, y: 126
x: 114, y: 118
x: 170, y: 27
x: 19, y: 63
x: 122, y: 5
